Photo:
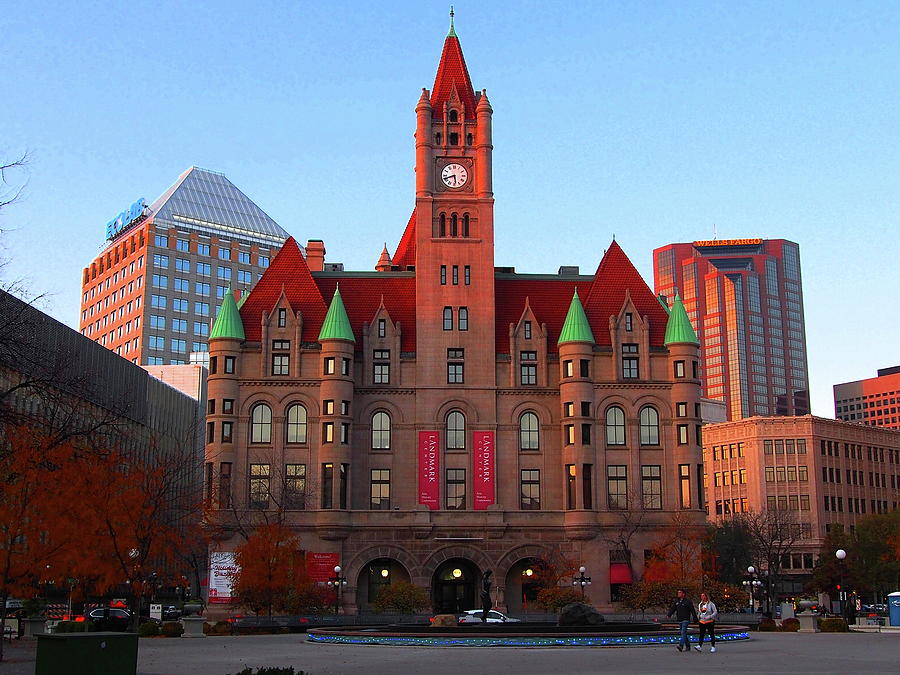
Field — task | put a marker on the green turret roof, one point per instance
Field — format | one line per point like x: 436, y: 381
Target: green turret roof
x: 679, y: 328
x: 660, y: 297
x: 244, y: 295
x: 576, y: 327
x: 228, y: 323
x: 336, y: 325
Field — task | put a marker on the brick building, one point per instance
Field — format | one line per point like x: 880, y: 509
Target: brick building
x: 874, y: 401
x: 438, y: 416
x: 826, y: 471
x: 745, y: 300
x: 151, y: 294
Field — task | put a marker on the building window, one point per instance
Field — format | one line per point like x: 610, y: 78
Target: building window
x: 328, y: 365
x: 328, y: 432
x: 529, y: 435
x: 448, y: 318
x: 467, y: 272
x: 456, y: 431
x: 229, y: 365
x: 617, y: 486
x: 684, y: 479
x: 456, y: 489
x: 463, y: 318
x: 568, y: 369
x: 382, y: 327
x: 381, y: 490
x: 161, y: 240
x: 227, y: 432
x: 679, y: 369
x: 615, y: 426
x: 327, y: 485
x: 282, y: 317
x: 586, y: 434
x: 161, y: 261
x: 629, y: 321
x: 295, y: 486
x: 681, y: 409
x: 345, y: 367
x: 587, y: 485
x: 585, y: 367
x: 343, y: 482
x: 295, y: 424
x: 531, y: 490
x: 259, y: 486
x: 443, y: 275
x: 381, y: 367
x: 569, y: 431
x: 651, y: 486
x: 649, y: 426
x: 381, y: 431
x: 224, y: 254
x: 244, y: 257
x: 630, y: 367
x: 225, y: 485
x: 527, y: 330
x: 682, y: 434
x: 261, y: 424
x: 281, y: 364
x: 158, y: 301
x: 160, y: 281
x: 571, y: 477
x: 345, y: 433
x: 455, y: 373
x: 456, y: 275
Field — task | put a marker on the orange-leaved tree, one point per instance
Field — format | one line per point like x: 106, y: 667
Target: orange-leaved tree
x: 269, y: 566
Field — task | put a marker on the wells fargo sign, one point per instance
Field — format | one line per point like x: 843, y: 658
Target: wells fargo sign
x: 728, y: 242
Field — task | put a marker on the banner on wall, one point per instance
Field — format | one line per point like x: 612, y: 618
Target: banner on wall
x: 320, y: 566
x: 429, y: 469
x: 221, y: 567
x: 484, y: 469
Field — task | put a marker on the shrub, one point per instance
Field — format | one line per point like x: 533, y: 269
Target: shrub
x: 73, y: 627
x: 402, y: 597
x: 555, y: 598
x: 149, y: 629
x: 790, y: 625
x: 270, y: 671
x: 172, y: 629
x: 221, y: 628
x: 833, y: 626
x: 768, y: 625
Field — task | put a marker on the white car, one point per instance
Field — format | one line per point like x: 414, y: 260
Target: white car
x: 474, y: 616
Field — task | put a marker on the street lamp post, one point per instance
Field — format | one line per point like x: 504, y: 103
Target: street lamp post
x: 581, y: 580
x: 752, y: 583
x: 841, y: 554
x: 338, y: 583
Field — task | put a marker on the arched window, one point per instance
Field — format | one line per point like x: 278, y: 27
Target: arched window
x: 448, y: 318
x: 443, y: 229
x: 437, y: 138
x: 463, y: 318
x: 453, y: 226
x: 381, y: 431
x: 529, y: 436
x: 456, y: 431
x: 454, y: 116
x: 295, y: 424
x: 615, y: 426
x: 649, y: 426
x: 261, y: 424
x: 465, y: 231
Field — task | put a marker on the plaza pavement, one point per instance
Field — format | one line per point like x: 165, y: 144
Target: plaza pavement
x: 764, y: 653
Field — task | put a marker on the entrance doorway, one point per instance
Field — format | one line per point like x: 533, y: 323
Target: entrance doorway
x: 523, y: 582
x: 454, y: 585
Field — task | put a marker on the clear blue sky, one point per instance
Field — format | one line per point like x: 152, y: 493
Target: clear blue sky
x: 652, y: 121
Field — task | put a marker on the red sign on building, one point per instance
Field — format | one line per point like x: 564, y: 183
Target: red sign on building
x: 484, y: 469
x: 429, y: 469
x: 320, y: 566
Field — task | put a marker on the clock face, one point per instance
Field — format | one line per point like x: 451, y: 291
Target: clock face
x: 454, y: 175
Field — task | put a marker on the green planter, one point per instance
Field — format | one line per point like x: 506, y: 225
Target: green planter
x: 87, y: 654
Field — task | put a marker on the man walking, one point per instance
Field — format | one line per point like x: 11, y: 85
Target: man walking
x: 683, y: 610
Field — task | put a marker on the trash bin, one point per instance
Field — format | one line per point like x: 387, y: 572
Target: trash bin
x: 894, y: 608
x: 87, y: 654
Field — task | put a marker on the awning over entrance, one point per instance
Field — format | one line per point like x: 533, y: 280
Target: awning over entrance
x: 619, y: 573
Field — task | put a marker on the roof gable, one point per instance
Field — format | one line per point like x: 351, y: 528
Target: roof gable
x: 406, y: 250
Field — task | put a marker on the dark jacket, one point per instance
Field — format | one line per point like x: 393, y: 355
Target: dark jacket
x: 683, y: 609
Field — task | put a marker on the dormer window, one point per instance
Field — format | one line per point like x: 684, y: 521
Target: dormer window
x: 454, y: 117
x: 282, y: 318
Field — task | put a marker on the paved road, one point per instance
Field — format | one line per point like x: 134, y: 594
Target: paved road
x: 765, y: 653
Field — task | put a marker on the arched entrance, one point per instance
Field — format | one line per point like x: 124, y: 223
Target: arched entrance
x: 523, y: 582
x: 453, y: 586
x: 375, y: 576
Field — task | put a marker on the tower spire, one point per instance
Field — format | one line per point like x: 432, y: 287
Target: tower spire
x: 452, y: 32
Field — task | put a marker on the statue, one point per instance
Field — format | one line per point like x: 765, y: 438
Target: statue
x: 486, y: 604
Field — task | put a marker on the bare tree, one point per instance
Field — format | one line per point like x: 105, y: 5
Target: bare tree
x: 773, y: 535
x: 628, y: 522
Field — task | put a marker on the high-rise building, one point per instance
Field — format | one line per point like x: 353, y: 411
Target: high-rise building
x: 438, y: 417
x: 151, y: 294
x: 874, y: 401
x: 745, y: 300
x: 823, y: 472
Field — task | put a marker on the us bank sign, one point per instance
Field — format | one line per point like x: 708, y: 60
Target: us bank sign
x: 126, y: 219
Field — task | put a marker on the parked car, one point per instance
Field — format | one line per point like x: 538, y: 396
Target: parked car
x: 118, y: 619
x: 474, y: 616
x: 171, y: 613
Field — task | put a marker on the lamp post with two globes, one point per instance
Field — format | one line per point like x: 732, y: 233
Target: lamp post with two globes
x: 581, y: 580
x: 339, y: 583
x: 841, y: 555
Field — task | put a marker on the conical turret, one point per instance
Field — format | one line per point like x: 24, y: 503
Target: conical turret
x: 576, y: 327
x: 228, y: 324
x: 337, y: 324
x: 679, y: 329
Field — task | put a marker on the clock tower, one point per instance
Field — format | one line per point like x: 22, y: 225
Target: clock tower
x: 454, y: 229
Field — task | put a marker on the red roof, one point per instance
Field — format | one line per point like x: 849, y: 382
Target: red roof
x: 549, y: 300
x: 607, y: 295
x: 452, y: 70
x: 287, y: 271
x: 406, y: 249
x: 363, y: 295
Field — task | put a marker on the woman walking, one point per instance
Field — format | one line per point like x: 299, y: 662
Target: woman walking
x: 708, y: 614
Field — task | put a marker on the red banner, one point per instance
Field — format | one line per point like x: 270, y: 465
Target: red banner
x: 430, y: 469
x: 483, y: 482
x: 320, y: 566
